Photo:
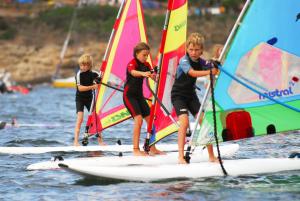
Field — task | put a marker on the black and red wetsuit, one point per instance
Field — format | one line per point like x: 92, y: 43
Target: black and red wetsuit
x: 133, y: 90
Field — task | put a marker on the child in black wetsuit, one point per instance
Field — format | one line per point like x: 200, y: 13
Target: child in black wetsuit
x: 84, y: 78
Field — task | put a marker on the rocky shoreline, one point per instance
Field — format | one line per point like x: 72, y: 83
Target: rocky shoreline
x: 29, y: 64
x: 34, y: 53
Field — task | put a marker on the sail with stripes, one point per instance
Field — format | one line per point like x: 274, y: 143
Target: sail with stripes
x: 128, y: 30
x: 261, y: 70
x: 171, y: 50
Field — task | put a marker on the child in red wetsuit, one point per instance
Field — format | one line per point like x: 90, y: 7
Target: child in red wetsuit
x: 137, y: 69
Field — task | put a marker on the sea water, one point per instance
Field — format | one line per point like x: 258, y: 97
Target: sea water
x: 48, y: 118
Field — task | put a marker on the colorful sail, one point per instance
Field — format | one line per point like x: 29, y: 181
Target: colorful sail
x: 261, y: 70
x: 128, y: 30
x: 171, y: 50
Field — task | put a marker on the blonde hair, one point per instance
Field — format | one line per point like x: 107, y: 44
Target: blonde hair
x: 139, y: 47
x: 195, y: 39
x: 86, y: 58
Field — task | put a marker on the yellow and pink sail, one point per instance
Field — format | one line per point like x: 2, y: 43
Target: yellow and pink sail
x: 128, y: 30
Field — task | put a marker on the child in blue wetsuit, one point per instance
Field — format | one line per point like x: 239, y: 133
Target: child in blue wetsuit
x: 137, y: 69
x: 183, y: 94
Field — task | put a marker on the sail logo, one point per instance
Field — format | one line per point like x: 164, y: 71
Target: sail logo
x: 113, y: 119
x: 277, y: 93
x: 120, y: 116
x: 180, y: 25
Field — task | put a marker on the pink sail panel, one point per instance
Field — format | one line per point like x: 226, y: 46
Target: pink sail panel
x: 129, y: 30
x: 175, y: 4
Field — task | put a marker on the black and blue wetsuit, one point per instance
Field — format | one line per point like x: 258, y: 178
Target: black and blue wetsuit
x: 183, y: 94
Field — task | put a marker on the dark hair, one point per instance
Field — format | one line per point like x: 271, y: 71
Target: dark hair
x: 139, y: 47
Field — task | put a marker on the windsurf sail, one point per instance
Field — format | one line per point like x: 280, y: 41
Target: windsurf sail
x: 128, y: 30
x: 261, y: 70
x: 171, y: 50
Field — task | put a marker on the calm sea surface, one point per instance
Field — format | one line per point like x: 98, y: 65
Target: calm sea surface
x: 50, y: 116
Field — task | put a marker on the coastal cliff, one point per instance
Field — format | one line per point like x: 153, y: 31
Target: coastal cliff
x: 31, y: 43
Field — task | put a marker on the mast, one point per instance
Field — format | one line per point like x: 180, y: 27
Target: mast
x: 66, y: 42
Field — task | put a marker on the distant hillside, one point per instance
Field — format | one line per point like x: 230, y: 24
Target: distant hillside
x: 33, y: 41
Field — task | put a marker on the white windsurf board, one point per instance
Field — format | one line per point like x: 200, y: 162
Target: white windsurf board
x: 155, y: 172
x: 115, y: 148
x: 170, y: 158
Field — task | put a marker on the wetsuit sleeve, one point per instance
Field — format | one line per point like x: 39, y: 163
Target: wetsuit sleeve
x: 77, y: 78
x: 184, y: 65
x: 96, y: 74
x: 206, y: 64
x: 148, y: 66
x: 131, y: 66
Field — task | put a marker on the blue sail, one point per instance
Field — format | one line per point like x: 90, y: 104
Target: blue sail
x: 260, y: 74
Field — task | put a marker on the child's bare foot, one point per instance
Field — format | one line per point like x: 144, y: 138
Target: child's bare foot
x: 76, y: 144
x: 213, y: 160
x: 155, y: 151
x: 100, y: 141
x: 137, y: 152
x: 182, y: 161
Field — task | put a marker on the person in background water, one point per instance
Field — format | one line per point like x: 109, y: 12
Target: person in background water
x: 183, y: 94
x: 5, y: 82
x: 216, y: 51
x: 85, y: 84
x: 137, y: 69
x: 4, y: 124
x: 14, y: 122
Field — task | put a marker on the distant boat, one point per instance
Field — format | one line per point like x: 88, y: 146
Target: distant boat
x: 64, y: 82
x: 56, y: 80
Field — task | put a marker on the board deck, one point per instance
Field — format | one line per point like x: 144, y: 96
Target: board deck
x: 116, y: 148
x: 170, y: 158
x: 147, y: 173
